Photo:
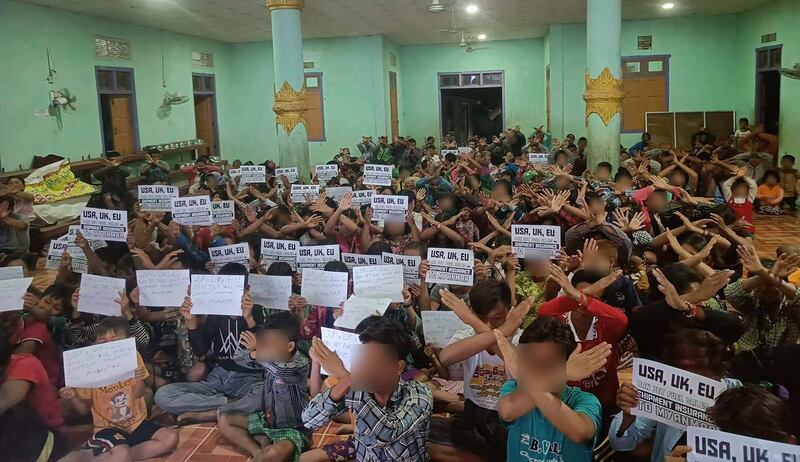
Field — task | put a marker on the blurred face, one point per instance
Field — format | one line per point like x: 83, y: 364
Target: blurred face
x: 570, y: 138
x: 375, y: 368
x: 537, y: 268
x: 657, y: 202
x: 740, y: 190
x: 743, y: 124
x: 624, y: 183
x: 602, y: 174
x: 445, y: 203
x: 677, y: 178
x: 110, y: 336
x: 496, y: 317
x: 582, y: 144
x: 561, y: 160
x: 273, y: 346
x: 542, y: 366
x: 394, y: 227
x: 785, y: 163
x: 772, y: 180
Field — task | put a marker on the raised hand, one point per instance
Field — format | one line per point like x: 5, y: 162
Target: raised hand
x: 557, y: 274
x: 515, y: 317
x: 671, y: 295
x: 326, y: 358
x: 582, y: 364
x: 508, y: 352
x: 247, y: 340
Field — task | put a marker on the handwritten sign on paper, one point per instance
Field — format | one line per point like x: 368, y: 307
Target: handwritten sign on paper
x: 274, y: 250
x: 157, y: 198
x: 357, y: 259
x: 301, y: 192
x: 362, y: 197
x: 11, y: 272
x: 450, y: 266
x: 356, y: 309
x: 107, y: 225
x: 325, y: 288
x: 541, y: 158
x: 236, y: 253
x: 11, y: 293
x: 162, y: 287
x: 716, y: 446
x: 217, y: 294
x: 341, y: 342
x: 440, y: 326
x: 222, y: 212
x: 327, y: 172
x: 673, y: 396
x: 385, y: 206
x: 410, y: 266
x: 100, y: 365
x: 270, y: 291
x: 289, y: 172
x: 192, y: 210
x: 379, y: 282
x: 99, y: 295
x: 336, y: 192
x: 377, y: 175
x: 316, y: 256
x: 536, y: 241
x: 253, y: 174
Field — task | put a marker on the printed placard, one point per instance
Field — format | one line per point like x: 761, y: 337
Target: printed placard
x: 100, y: 365
x: 326, y: 172
x: 357, y: 259
x: 11, y: 272
x: 253, y: 174
x: 99, y: 295
x: 716, y: 446
x: 316, y: 256
x: 289, y: 172
x: 440, y: 326
x: 157, y: 198
x: 270, y: 291
x: 162, y: 287
x: 454, y: 152
x: 389, y: 206
x: 236, y: 253
x: 325, y: 288
x: 410, y: 266
x: 541, y: 158
x: 192, y: 210
x: 378, y: 175
x: 273, y: 250
x: 107, y: 225
x: 56, y: 250
x: 450, y: 266
x: 357, y: 308
x: 536, y: 241
x: 336, y: 192
x: 235, y: 173
x: 673, y: 396
x: 223, y: 212
x: 11, y: 293
x: 302, y: 192
x: 342, y: 343
x: 382, y: 281
x: 217, y: 294
x: 362, y: 197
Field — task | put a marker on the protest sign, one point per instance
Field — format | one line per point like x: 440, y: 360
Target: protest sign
x: 270, y: 291
x: 362, y: 197
x: 217, y: 294
x: 289, y: 172
x: 316, y: 256
x: 450, y: 266
x: 385, y: 206
x: 107, y: 225
x: 673, y: 396
x: 379, y: 282
x: 536, y: 241
x: 11, y: 272
x: 157, y: 198
x: 273, y: 250
x: 410, y: 266
x: 336, y: 192
x: 235, y: 173
x: 11, y: 293
x: 326, y: 288
x: 236, y: 253
x: 100, y: 365
x: 99, y: 295
x: 445, y: 152
x: 440, y: 326
x: 56, y: 250
x: 253, y: 174
x: 357, y: 259
x: 192, y: 210
x: 300, y: 193
x: 716, y: 446
x: 162, y: 287
x: 342, y: 343
x: 377, y: 175
x: 326, y: 172
x: 357, y: 308
x: 541, y: 158
x: 222, y: 212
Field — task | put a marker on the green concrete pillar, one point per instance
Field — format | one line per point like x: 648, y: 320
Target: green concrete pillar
x: 604, y: 92
x: 290, y: 104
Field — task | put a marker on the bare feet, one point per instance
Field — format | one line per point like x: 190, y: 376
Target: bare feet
x: 188, y: 418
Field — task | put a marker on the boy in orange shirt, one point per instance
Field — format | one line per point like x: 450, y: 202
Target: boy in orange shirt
x: 770, y: 194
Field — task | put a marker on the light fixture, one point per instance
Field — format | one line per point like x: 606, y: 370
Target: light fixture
x: 481, y: 36
x: 668, y: 5
x: 472, y: 9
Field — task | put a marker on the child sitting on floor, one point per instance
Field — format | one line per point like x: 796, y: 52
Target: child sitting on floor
x: 770, y: 194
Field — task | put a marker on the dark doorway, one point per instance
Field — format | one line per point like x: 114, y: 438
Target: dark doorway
x: 768, y: 88
x: 468, y: 112
x: 117, y: 98
x: 205, y: 110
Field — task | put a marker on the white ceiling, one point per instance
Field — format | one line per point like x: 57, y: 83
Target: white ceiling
x: 405, y: 22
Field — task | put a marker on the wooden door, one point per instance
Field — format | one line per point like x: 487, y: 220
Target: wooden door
x: 315, y: 113
x: 121, y: 123
x: 204, y: 120
x: 393, y: 105
x: 642, y: 95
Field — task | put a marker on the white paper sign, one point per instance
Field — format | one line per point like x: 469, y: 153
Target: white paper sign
x: 357, y: 259
x: 450, y: 266
x: 326, y: 172
x: 716, y: 446
x: 449, y: 151
x: 410, y: 266
x: 336, y: 192
x: 382, y: 281
x: 107, y: 225
x: 673, y: 396
x: 440, y: 326
x: 253, y: 174
x: 274, y: 250
x: 222, y: 212
x: 217, y: 294
x: 536, y: 241
x: 56, y: 251
x: 289, y: 172
x: 162, y: 287
x: 236, y: 253
x: 341, y: 342
x: 541, y: 158
x: 235, y: 173
x: 11, y: 293
x: 378, y: 175
x: 100, y: 365
x: 157, y: 198
x: 192, y: 210
x: 385, y: 206
x: 99, y: 295
x: 362, y: 197
x: 325, y: 288
x: 270, y: 291
x: 316, y: 256
x: 300, y: 192
x: 356, y: 309
x: 11, y: 272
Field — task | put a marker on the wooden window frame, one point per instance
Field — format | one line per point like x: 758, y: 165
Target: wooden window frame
x: 318, y: 76
x: 644, y: 72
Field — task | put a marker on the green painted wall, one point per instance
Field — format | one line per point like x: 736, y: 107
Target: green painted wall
x: 391, y: 49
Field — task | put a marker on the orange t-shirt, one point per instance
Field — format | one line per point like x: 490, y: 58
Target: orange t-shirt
x: 115, y: 406
x: 768, y: 194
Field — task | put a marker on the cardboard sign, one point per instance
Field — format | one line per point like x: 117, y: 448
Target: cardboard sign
x: 389, y: 206
x: 357, y: 259
x: 438, y: 327
x: 336, y: 192
x: 157, y: 198
x: 99, y: 295
x: 362, y: 197
x: 107, y: 225
x: 273, y: 250
x: 223, y: 212
x: 450, y: 266
x: 536, y: 241
x: 383, y: 281
x: 326, y: 172
x: 673, y: 396
x: 316, y: 256
x: 216, y: 294
x: 325, y: 288
x: 192, y: 210
x: 541, y: 158
x: 342, y: 343
x: 253, y: 174
x: 236, y: 253
x: 410, y: 266
x: 270, y: 291
x: 162, y: 287
x: 300, y: 193
x: 356, y: 309
x: 377, y: 175
x: 11, y: 272
x: 716, y: 446
x: 100, y: 365
x: 12, y: 291
x: 289, y: 172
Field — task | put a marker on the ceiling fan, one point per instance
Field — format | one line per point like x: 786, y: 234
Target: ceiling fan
x: 467, y: 44
x: 453, y: 28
